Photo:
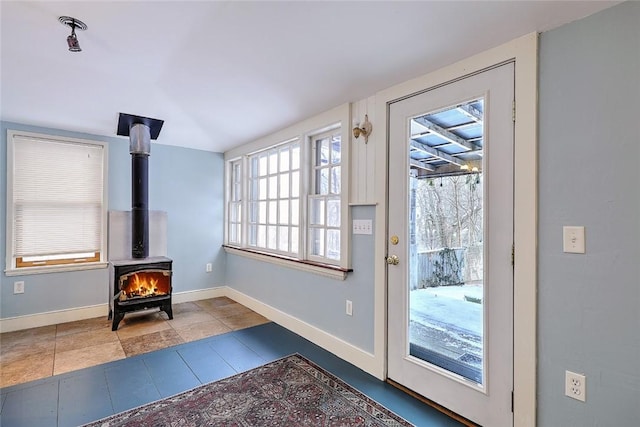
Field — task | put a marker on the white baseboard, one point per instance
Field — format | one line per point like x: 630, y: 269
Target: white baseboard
x: 188, y: 296
x: 18, y: 323
x: 358, y: 357
x: 352, y: 354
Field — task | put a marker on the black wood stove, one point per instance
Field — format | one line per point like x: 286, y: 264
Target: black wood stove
x: 139, y: 283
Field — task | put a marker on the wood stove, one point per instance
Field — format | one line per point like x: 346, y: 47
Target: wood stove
x: 139, y: 285
x: 140, y: 282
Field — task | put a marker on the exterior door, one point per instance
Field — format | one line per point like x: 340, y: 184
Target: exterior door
x: 450, y: 272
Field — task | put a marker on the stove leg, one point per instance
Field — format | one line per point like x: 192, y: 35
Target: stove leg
x: 117, y: 317
x: 167, y: 309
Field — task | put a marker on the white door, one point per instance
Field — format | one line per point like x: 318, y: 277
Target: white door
x: 450, y: 273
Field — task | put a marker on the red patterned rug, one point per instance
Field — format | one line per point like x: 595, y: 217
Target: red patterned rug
x: 292, y: 391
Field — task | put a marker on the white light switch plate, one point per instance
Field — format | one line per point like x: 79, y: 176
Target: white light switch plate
x: 573, y: 240
x: 362, y: 226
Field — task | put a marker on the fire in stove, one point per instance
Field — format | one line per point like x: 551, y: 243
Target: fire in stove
x: 145, y: 284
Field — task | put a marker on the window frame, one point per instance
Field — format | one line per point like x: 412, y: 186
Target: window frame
x: 337, y: 118
x: 314, y: 193
x: 15, y: 265
x: 270, y: 199
x: 236, y: 200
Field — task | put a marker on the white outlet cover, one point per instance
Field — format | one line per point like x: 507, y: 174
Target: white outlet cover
x: 349, y: 308
x: 575, y: 386
x: 18, y: 287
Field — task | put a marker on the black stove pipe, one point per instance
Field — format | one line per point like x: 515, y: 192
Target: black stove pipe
x: 140, y: 130
x: 139, y: 206
x: 140, y: 148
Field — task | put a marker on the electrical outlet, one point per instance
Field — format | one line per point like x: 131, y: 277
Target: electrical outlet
x: 575, y: 386
x: 18, y: 287
x: 349, y: 308
x: 209, y: 267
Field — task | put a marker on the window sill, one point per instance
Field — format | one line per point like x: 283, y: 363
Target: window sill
x: 326, y: 270
x: 26, y: 271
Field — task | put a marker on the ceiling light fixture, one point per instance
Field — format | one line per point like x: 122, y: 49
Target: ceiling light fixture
x: 72, y: 40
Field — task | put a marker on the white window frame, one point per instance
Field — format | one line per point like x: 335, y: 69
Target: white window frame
x: 337, y: 119
x: 12, y: 269
x: 235, y: 201
x: 269, y: 219
x: 321, y: 224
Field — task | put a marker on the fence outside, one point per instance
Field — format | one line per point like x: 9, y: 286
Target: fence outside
x: 446, y: 267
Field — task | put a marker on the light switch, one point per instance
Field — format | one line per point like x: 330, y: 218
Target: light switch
x: 362, y: 226
x: 573, y: 240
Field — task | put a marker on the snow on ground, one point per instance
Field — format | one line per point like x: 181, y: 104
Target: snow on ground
x: 442, y: 320
x: 446, y: 304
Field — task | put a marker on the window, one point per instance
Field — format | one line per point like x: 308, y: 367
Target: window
x: 55, y: 202
x: 291, y: 195
x: 324, y: 197
x: 235, y: 204
x: 274, y: 199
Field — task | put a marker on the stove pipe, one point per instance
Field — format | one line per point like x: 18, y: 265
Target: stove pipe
x: 140, y: 130
x: 139, y: 148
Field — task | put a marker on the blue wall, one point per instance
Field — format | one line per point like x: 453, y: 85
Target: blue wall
x: 315, y: 299
x: 187, y: 184
x: 589, y: 174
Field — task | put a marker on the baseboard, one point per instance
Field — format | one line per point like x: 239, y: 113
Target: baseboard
x: 18, y: 323
x: 352, y: 354
x: 188, y: 296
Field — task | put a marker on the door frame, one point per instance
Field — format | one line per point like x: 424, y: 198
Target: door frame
x: 524, y: 52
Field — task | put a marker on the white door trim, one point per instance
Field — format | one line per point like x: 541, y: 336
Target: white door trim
x: 524, y: 51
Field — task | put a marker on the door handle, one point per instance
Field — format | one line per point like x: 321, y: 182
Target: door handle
x: 393, y: 260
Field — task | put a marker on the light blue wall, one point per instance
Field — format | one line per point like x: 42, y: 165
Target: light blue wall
x: 589, y: 174
x: 185, y: 183
x: 315, y: 299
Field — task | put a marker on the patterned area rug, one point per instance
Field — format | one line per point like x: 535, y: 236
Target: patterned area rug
x: 292, y: 391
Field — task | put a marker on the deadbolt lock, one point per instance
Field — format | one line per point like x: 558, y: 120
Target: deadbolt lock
x: 394, y: 240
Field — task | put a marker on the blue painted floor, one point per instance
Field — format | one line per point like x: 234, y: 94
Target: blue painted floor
x: 89, y: 394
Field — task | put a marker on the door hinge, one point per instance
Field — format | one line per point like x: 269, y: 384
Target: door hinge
x: 512, y: 401
x: 513, y: 110
x: 513, y: 254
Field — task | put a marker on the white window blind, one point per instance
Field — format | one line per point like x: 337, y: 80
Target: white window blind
x: 57, y: 201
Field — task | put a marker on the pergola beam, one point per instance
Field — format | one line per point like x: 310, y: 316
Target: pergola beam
x: 436, y: 153
x: 471, y: 112
x: 421, y: 165
x: 445, y: 134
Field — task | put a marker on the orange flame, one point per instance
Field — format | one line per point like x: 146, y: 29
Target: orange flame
x: 143, y: 285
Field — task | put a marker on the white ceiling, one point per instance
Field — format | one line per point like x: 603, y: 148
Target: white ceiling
x: 221, y: 73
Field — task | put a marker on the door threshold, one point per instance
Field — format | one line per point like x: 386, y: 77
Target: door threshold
x: 433, y: 404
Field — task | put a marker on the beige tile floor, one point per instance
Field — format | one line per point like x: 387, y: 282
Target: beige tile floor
x: 36, y: 353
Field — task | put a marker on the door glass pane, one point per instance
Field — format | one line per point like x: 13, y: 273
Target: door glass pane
x: 446, y: 274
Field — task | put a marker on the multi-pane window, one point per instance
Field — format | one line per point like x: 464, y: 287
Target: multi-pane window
x: 324, y: 197
x: 274, y: 199
x: 292, y: 198
x: 235, y: 203
x: 56, y: 201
